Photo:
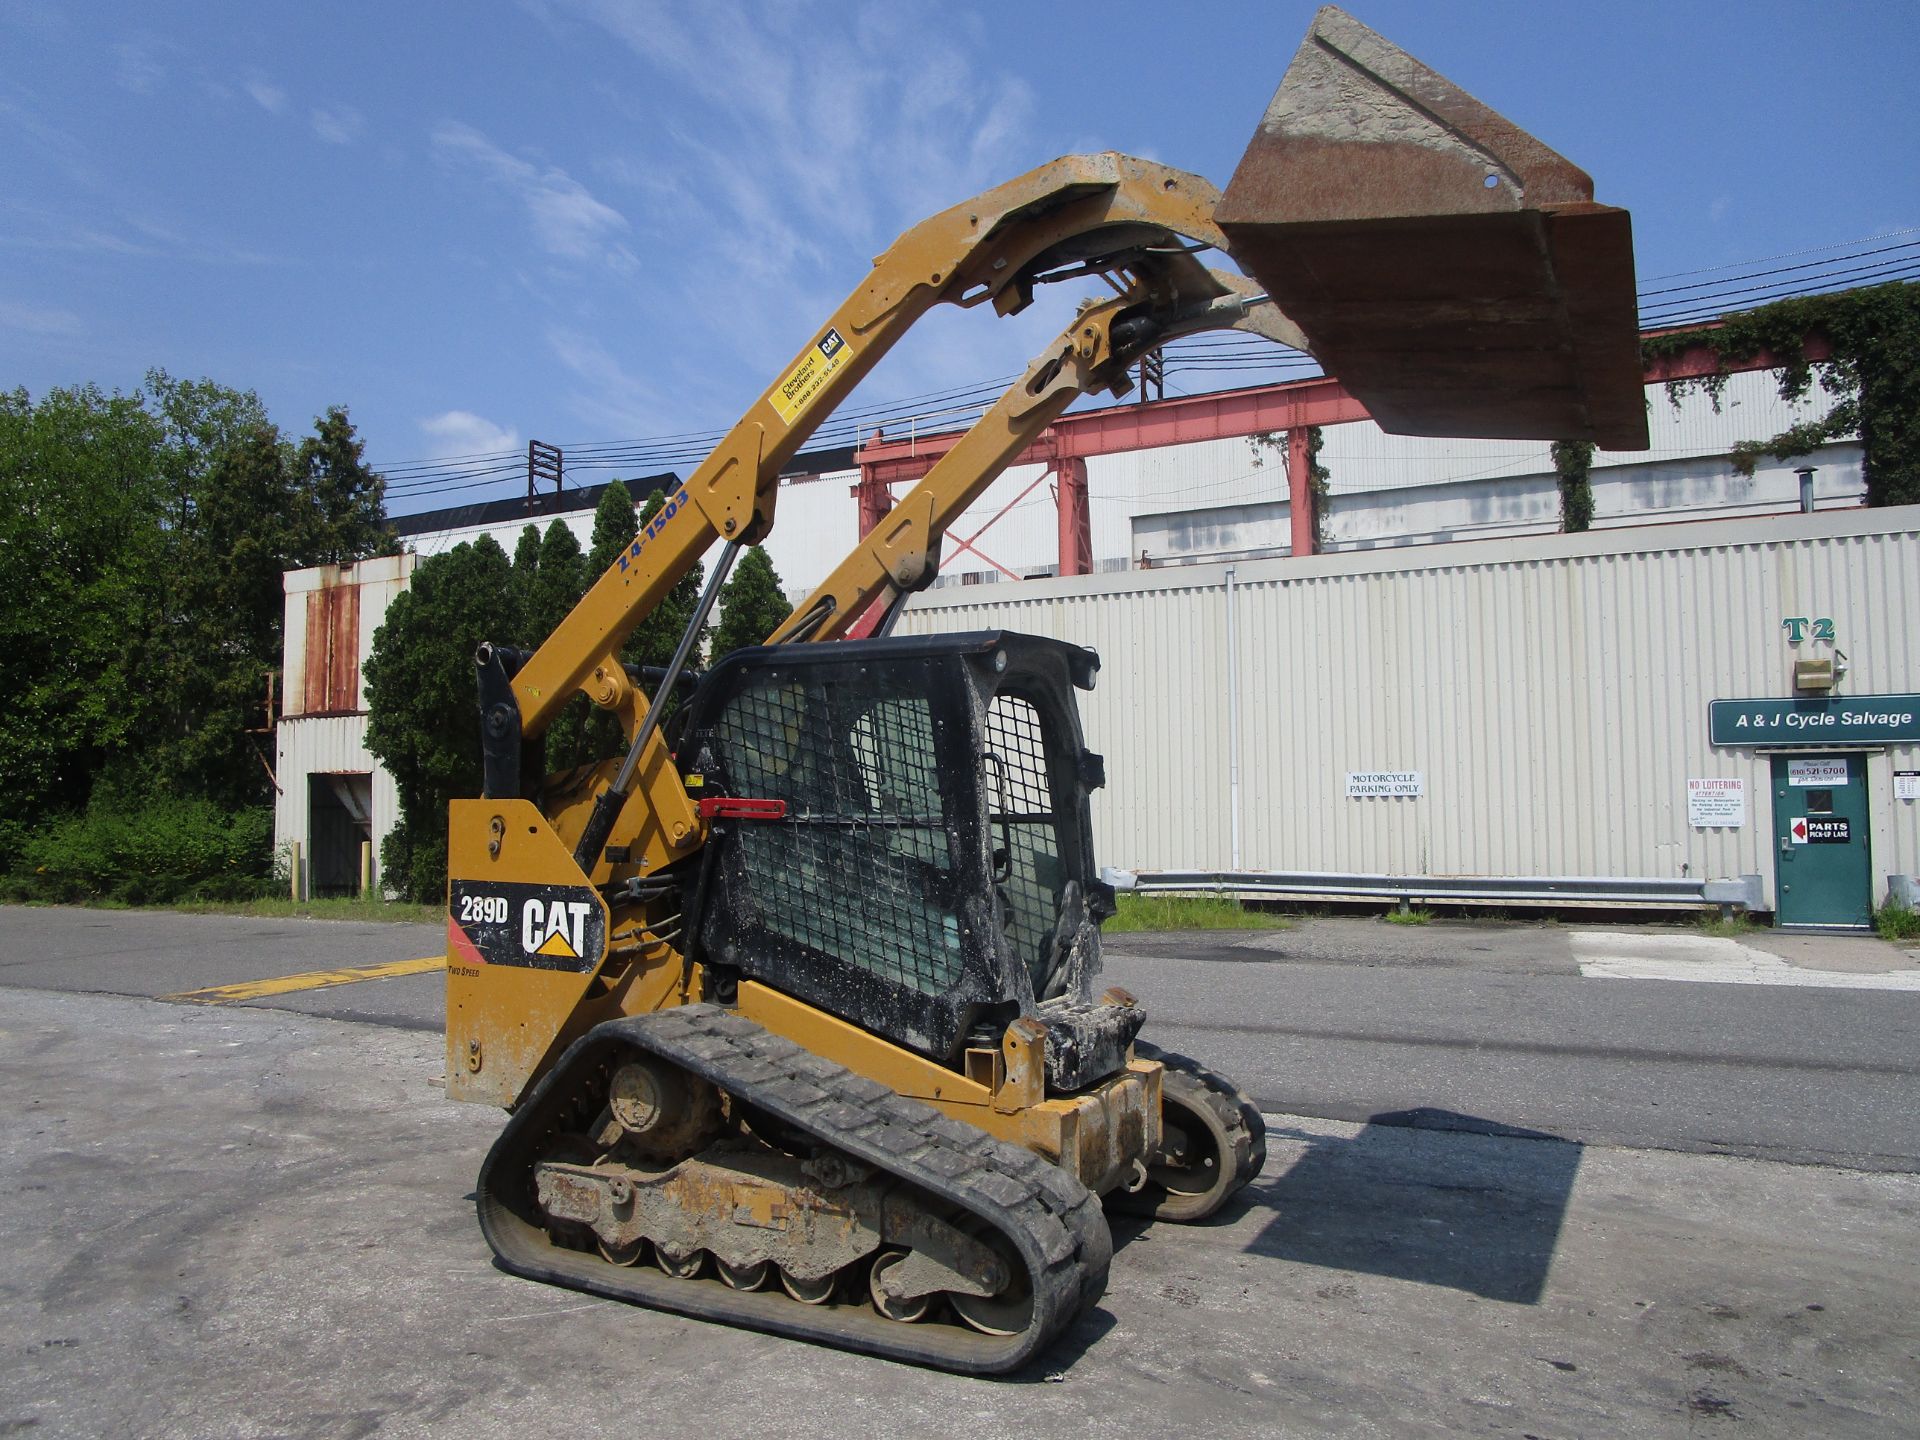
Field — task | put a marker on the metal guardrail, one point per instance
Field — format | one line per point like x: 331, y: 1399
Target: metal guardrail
x: 1742, y: 892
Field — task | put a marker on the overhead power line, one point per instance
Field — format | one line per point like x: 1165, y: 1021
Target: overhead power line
x: 1892, y: 256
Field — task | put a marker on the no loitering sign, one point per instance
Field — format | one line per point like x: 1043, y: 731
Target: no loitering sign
x: 1715, y: 803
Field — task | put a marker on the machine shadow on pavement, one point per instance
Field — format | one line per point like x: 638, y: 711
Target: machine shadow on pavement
x: 1405, y: 1198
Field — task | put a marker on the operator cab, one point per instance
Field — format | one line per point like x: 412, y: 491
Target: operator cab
x: 931, y: 876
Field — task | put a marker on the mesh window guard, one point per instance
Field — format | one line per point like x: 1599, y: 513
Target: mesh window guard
x: 861, y: 868
x: 1021, y: 815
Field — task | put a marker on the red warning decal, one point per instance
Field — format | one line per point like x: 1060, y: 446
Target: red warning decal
x: 460, y: 947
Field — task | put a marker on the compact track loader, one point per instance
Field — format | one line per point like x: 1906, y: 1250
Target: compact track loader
x: 796, y: 1004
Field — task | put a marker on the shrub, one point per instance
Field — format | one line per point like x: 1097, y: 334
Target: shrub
x: 164, y: 850
x: 1897, y: 922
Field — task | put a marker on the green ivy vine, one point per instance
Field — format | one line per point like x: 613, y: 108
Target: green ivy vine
x: 1317, y: 474
x: 1573, y: 463
x: 1873, y: 375
x: 1317, y: 477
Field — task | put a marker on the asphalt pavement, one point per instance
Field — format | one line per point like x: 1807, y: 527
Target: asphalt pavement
x: 1491, y: 1206
x: 1474, y: 1026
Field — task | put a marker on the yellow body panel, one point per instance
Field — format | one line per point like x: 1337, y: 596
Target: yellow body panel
x: 1095, y: 1135
x: 506, y: 1024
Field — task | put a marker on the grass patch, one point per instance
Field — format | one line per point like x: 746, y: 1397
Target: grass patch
x: 281, y: 908
x: 1189, y: 912
x: 1896, y: 922
x: 1729, y: 927
x: 1417, y: 915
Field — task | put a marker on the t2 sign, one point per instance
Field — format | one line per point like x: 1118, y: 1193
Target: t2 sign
x: 1796, y: 628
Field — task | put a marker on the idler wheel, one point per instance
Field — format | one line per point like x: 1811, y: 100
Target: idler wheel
x: 743, y: 1277
x: 680, y: 1267
x: 622, y: 1254
x: 1194, y: 1171
x: 808, y: 1292
x: 1011, y: 1311
x: 665, y: 1112
x: 905, y: 1311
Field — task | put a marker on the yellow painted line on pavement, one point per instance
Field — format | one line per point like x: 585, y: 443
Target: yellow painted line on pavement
x: 311, y: 980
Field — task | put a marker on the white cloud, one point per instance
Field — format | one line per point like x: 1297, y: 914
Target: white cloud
x: 39, y: 319
x: 803, y: 141
x: 137, y: 68
x: 457, y: 434
x: 615, y: 401
x: 567, y: 220
x: 270, y: 98
x: 338, y: 124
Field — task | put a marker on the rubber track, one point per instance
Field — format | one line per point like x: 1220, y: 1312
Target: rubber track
x: 1053, y: 1221
x: 1246, y: 1130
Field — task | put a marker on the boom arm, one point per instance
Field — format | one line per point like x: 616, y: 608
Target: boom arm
x: 1096, y: 214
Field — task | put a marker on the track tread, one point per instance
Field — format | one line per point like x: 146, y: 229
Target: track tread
x: 1056, y: 1223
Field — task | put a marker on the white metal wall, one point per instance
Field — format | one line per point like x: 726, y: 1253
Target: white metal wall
x: 326, y: 745
x: 1552, y: 690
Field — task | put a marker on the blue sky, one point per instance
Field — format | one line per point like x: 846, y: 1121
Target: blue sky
x: 588, y: 220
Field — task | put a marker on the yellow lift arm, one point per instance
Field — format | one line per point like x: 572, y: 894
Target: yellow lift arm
x: 1131, y: 220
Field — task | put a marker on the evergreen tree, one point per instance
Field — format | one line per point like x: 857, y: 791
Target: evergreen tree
x: 560, y: 582
x: 657, y: 635
x: 342, y: 502
x: 526, y: 566
x: 751, y: 604
x: 558, y: 585
x: 614, y: 527
x: 144, y: 538
x: 423, y: 715
x: 224, y: 607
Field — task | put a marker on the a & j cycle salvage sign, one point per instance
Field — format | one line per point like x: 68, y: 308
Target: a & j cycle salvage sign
x: 1827, y: 720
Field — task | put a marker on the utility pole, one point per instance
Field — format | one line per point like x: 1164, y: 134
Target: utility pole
x: 544, y: 462
x: 1153, y: 376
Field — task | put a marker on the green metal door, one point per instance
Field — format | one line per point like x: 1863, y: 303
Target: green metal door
x: 1820, y: 834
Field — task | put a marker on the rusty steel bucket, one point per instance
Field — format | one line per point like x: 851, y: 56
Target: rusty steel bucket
x: 1449, y: 269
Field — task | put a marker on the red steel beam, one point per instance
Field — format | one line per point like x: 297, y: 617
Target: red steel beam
x: 1076, y: 516
x: 1698, y: 361
x: 1138, y: 427
x: 1066, y: 445
x: 1223, y: 415
x: 1304, y: 541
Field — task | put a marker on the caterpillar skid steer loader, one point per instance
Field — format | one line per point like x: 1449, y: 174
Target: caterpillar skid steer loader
x: 796, y: 1004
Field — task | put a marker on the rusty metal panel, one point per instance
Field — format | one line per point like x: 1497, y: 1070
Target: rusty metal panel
x: 314, y: 666
x: 330, y: 659
x: 1447, y: 267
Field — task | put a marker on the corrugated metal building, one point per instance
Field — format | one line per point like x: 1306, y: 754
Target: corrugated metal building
x: 1549, y: 690
x: 333, y: 795
x: 1549, y: 695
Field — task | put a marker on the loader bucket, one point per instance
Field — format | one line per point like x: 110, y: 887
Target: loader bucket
x: 1450, y: 270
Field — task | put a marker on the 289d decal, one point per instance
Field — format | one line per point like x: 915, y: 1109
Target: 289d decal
x: 537, y: 927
